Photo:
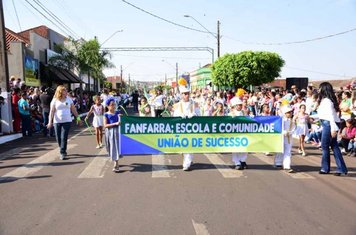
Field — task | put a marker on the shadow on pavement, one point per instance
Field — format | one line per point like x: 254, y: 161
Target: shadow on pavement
x: 12, y: 179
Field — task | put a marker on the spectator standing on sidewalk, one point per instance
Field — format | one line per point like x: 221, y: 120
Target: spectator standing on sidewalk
x: 15, y: 97
x: 327, y: 112
x: 60, y: 117
x: 45, y: 101
x: 24, y: 110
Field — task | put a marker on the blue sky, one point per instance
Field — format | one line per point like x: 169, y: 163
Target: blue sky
x: 244, y: 24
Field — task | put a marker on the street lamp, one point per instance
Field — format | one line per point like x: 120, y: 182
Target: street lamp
x: 112, y: 35
x: 217, y: 36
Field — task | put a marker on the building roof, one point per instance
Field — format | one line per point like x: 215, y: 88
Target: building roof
x: 41, y: 30
x: 335, y: 83
x: 11, y: 36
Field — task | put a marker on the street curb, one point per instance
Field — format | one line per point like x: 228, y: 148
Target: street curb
x: 7, y: 138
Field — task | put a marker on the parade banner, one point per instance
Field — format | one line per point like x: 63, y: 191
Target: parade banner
x: 146, y: 135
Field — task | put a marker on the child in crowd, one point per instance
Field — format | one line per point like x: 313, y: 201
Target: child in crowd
x: 219, y: 111
x: 288, y: 128
x: 24, y: 110
x: 352, y: 147
x: 144, y: 108
x: 98, y: 110
x: 111, y: 125
x: 208, y: 108
x: 348, y: 134
x: 302, y: 119
x: 265, y: 110
x: 315, y: 132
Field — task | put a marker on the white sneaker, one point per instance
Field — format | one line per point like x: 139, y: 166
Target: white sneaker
x: 98, y: 147
x: 186, y: 168
x: 300, y: 151
x: 304, y: 154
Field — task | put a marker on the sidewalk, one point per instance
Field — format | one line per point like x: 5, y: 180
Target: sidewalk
x: 11, y: 137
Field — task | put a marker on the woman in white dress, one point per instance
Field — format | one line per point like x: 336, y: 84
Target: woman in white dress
x: 98, y: 123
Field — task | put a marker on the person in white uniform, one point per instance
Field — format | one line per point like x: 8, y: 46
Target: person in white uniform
x: 239, y: 159
x: 288, y: 128
x: 185, y: 109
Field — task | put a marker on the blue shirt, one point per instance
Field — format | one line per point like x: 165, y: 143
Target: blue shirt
x: 112, y: 118
x: 21, y: 103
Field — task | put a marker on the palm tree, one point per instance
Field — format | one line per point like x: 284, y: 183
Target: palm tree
x: 94, y: 60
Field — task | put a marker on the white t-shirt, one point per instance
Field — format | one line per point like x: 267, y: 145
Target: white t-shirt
x: 62, y: 113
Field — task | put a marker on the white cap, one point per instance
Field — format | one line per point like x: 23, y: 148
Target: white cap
x: 235, y: 101
x: 183, y: 89
x: 286, y: 109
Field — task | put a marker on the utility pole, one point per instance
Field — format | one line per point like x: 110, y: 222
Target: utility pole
x: 5, y: 108
x: 218, y: 37
x: 121, y: 85
x: 129, y: 85
x: 177, y: 75
x: 4, y: 72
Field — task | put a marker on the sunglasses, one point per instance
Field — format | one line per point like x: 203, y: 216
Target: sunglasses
x: 186, y: 93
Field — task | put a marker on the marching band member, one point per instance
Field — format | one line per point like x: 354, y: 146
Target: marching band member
x: 185, y: 109
x: 288, y: 128
x: 239, y: 159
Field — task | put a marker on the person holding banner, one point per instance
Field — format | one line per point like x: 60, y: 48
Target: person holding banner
x: 112, y: 131
x: 185, y: 109
x: 239, y: 159
x: 288, y: 128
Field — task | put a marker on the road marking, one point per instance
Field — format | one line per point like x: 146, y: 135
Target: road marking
x: 96, y: 168
x: 200, y: 229
x: 225, y: 170
x: 12, y: 152
x: 16, y: 151
x: 159, y: 167
x: 35, y: 165
x: 295, y: 175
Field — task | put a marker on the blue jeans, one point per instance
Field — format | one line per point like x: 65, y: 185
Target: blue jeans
x: 316, y: 136
x: 45, y: 116
x: 26, y: 125
x: 326, y: 142
x: 62, y: 130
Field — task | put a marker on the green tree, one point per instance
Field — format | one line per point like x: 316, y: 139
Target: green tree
x: 94, y: 60
x: 85, y: 56
x: 246, y: 68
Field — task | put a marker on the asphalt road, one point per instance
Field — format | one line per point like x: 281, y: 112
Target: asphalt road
x: 40, y: 194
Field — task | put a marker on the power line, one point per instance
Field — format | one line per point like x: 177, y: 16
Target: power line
x: 161, y: 18
x: 73, y: 17
x: 295, y: 42
x: 17, y: 16
x: 244, y: 42
x: 54, y: 17
x: 312, y: 71
x: 59, y: 27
